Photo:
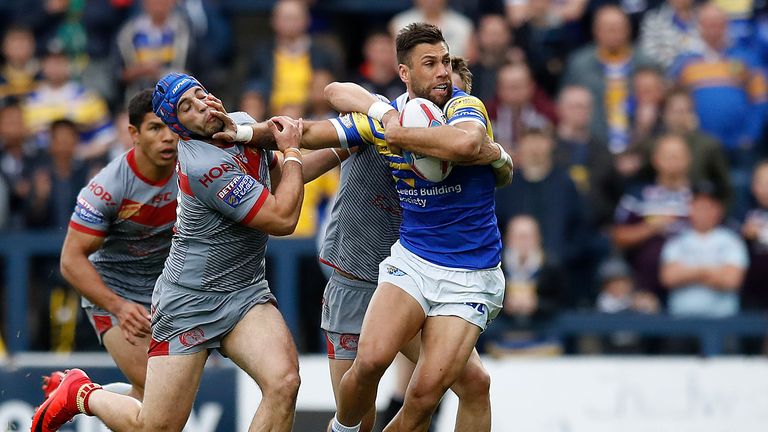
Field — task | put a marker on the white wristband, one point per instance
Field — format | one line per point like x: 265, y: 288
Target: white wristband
x: 378, y: 109
x: 292, y: 158
x: 498, y: 163
x: 244, y: 133
x: 336, y: 154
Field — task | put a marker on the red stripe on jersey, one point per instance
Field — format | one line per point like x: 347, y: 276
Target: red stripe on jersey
x: 102, y: 323
x: 329, y: 346
x: 184, y: 184
x: 256, y: 207
x: 146, y: 214
x: 131, y: 159
x: 254, y: 163
x: 273, y: 163
x: 84, y: 229
x: 158, y: 348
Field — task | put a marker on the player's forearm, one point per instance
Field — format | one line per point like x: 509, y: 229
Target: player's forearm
x: 262, y: 137
x: 82, y: 275
x: 349, y: 97
x: 319, y: 135
x: 447, y: 143
x: 321, y: 161
x: 289, y: 195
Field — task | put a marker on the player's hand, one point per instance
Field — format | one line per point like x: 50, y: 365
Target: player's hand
x: 229, y: 131
x: 287, y: 131
x: 391, y: 119
x: 134, y: 321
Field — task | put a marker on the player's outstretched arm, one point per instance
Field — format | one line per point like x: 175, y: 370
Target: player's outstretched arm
x: 350, y: 97
x: 460, y: 143
x: 82, y: 275
x: 279, y: 213
x: 316, y: 134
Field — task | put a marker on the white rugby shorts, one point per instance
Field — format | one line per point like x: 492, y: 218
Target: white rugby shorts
x: 476, y: 296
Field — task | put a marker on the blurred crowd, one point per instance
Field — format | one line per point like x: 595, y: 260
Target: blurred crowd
x: 637, y: 128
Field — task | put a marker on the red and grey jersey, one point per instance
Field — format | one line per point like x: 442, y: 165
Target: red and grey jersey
x: 221, y: 191
x: 135, y: 216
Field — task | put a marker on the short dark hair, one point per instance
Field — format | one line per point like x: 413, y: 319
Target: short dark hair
x: 415, y: 34
x: 64, y: 123
x: 139, y: 105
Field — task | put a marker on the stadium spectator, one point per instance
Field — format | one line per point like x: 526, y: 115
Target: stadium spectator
x: 281, y: 69
x: 56, y: 179
x: 457, y: 29
x: 651, y: 212
x: 378, y: 73
x: 534, y: 285
x: 708, y: 161
x: 561, y: 221
x: 519, y: 11
x: 755, y: 232
x: 725, y: 75
x: 17, y: 153
x: 495, y: 48
x: 669, y: 31
x: 585, y: 156
x: 648, y: 89
x: 704, y: 265
x: 59, y: 96
x: 156, y: 41
x: 606, y: 68
x: 514, y: 109
x: 546, y: 39
x: 20, y: 72
x: 617, y: 290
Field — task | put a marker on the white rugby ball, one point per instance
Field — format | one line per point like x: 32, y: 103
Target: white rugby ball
x: 420, y: 112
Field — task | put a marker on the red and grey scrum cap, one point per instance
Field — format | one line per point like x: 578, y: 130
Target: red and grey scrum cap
x: 165, y: 100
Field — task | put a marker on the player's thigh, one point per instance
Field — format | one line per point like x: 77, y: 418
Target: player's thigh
x: 171, y: 386
x: 261, y: 345
x: 131, y: 359
x: 447, y: 342
x: 393, y: 318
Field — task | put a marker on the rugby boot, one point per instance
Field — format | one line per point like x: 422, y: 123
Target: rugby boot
x: 51, y: 382
x: 64, y: 403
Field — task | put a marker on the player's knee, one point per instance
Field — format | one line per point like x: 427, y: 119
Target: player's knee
x: 283, y: 386
x: 474, y: 383
x: 371, y: 365
x: 424, y: 396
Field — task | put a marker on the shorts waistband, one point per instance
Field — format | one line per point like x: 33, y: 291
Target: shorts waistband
x: 341, y: 279
x: 257, y: 286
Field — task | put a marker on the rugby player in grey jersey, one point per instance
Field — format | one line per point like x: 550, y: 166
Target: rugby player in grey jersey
x: 212, y: 293
x: 118, y: 238
x: 364, y: 224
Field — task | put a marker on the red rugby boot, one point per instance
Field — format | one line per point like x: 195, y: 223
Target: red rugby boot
x: 64, y: 403
x: 51, y: 382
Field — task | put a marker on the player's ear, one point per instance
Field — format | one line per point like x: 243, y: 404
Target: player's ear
x: 134, y: 133
x: 404, y: 73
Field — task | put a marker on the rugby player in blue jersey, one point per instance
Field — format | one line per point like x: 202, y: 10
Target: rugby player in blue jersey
x: 443, y: 277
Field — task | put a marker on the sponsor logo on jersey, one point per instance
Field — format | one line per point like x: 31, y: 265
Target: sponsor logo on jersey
x: 234, y: 192
x: 394, y: 271
x: 129, y: 210
x: 196, y: 336
x: 85, y: 211
x: 100, y: 192
x: 349, y: 341
x: 347, y: 121
x: 479, y: 307
x: 215, y: 173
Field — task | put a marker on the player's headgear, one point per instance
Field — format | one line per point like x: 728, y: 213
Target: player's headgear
x: 165, y: 100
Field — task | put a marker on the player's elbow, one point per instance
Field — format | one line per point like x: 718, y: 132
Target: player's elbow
x: 332, y: 91
x: 468, y: 147
x: 283, y: 229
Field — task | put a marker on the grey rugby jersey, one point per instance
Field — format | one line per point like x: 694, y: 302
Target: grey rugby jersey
x: 135, y: 216
x: 365, y: 219
x: 221, y: 191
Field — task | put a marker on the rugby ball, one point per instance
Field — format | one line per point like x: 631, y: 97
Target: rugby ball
x: 421, y: 112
